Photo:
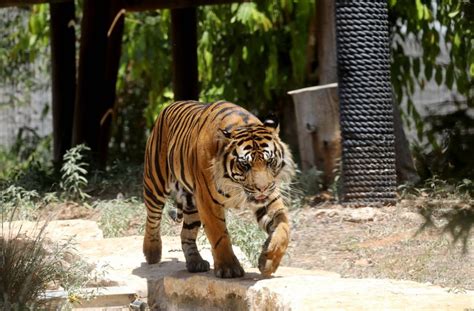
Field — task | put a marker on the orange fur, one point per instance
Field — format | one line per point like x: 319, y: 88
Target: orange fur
x: 216, y: 156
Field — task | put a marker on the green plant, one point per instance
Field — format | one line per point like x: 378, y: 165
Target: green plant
x: 27, y: 163
x: 247, y: 235
x: 24, y: 50
x: 309, y: 182
x: 121, y: 215
x: 433, y: 43
x: 436, y: 189
x: 447, y: 153
x: 81, y: 281
x: 19, y: 202
x: 73, y: 170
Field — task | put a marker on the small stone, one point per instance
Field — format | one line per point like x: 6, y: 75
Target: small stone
x: 411, y: 216
x: 363, y: 214
x: 363, y: 262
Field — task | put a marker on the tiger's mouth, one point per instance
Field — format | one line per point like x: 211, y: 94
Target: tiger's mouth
x: 258, y: 198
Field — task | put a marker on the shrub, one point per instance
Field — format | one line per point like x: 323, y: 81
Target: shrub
x: 73, y: 173
x: 30, y: 264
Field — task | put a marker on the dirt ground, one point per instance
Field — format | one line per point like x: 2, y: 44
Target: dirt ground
x: 378, y: 243
x: 360, y: 243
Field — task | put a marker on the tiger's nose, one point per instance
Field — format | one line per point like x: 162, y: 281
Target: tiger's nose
x: 263, y: 188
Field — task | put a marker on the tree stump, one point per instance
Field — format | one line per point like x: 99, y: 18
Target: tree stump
x: 319, y: 137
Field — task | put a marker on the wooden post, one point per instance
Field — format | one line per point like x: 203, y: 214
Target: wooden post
x: 63, y: 76
x: 98, y: 65
x: 184, y: 49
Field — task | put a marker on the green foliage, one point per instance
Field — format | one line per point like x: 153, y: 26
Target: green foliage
x: 252, y: 53
x: 246, y: 235
x: 448, y: 152
x: 118, y: 217
x: 27, y: 163
x: 24, y: 49
x: 73, y: 178
x: 257, y: 56
x: 433, y: 26
x: 121, y: 177
x: 18, y: 202
x: 143, y: 84
x: 241, y: 47
x: 28, y: 266
x: 436, y: 189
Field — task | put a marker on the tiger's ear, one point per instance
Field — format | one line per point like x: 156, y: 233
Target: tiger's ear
x: 271, y: 122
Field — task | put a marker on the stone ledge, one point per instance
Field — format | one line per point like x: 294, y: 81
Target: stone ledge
x: 292, y: 289
x: 168, y: 286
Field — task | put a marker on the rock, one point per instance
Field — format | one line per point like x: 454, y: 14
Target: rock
x: 362, y: 214
x: 413, y: 217
x: 203, y: 291
x: 291, y: 290
x: 56, y: 230
x: 123, y: 262
x: 363, y: 262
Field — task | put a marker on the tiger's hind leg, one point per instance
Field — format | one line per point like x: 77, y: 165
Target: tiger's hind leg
x: 189, y: 232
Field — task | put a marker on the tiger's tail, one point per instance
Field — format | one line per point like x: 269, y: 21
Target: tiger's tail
x: 155, y: 191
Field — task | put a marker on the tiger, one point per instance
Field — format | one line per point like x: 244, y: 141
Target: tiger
x: 212, y: 157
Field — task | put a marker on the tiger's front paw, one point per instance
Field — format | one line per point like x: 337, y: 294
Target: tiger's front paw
x: 197, y: 265
x: 227, y: 270
x: 273, y: 250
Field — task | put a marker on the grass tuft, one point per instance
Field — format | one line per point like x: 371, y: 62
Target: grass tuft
x: 30, y: 264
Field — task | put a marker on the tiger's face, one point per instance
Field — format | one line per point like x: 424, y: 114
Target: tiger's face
x: 255, y: 163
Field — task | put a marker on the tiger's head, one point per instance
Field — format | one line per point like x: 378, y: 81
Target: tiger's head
x: 254, y: 164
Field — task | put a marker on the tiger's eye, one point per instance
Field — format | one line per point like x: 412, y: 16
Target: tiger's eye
x: 244, y: 165
x: 270, y: 161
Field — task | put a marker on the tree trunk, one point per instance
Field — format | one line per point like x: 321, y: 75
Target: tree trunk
x: 90, y: 93
x: 326, y: 41
x: 114, y: 48
x: 63, y: 76
x: 184, y: 49
x: 98, y: 65
x: 317, y: 118
x: 406, y: 172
